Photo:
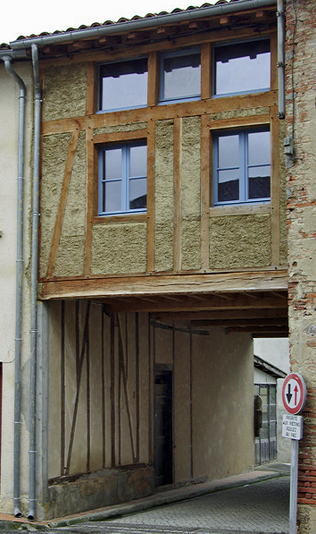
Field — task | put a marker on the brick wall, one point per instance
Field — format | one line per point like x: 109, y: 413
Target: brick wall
x: 301, y: 225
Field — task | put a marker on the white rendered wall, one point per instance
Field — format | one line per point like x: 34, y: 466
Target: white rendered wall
x: 9, y: 102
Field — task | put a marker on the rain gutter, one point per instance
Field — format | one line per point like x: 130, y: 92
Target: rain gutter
x: 19, y: 287
x: 142, y: 23
x: 34, y: 273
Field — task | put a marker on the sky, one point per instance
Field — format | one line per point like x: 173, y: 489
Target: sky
x: 22, y: 17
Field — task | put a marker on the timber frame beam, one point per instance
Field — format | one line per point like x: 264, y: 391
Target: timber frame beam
x: 163, y: 285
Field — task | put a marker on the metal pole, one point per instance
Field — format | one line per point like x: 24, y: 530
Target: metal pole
x: 293, y: 487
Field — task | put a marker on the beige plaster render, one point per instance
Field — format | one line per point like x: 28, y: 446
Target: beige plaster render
x: 191, y: 193
x: 239, y: 113
x: 119, y: 248
x: 302, y: 255
x: 70, y: 255
x: 54, y: 158
x: 240, y: 241
x: 306, y: 516
x: 127, y: 127
x: 8, y: 227
x: 164, y: 196
x: 64, y: 91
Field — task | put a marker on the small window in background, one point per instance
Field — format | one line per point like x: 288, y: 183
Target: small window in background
x: 123, y: 85
x: 242, y: 167
x: 180, y: 76
x: 122, y: 178
x: 242, y: 67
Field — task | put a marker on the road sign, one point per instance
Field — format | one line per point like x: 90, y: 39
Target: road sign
x: 292, y: 426
x: 294, y: 393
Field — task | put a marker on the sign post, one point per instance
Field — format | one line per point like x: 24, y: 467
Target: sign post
x: 294, y: 397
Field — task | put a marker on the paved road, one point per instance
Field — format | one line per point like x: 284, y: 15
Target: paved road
x: 260, y: 508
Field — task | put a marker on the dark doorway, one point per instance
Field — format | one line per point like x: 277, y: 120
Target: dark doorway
x: 163, y: 438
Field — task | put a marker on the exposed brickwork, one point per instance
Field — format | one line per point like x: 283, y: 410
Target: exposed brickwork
x: 301, y: 224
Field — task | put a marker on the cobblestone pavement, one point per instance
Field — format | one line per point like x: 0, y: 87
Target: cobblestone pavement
x: 261, y: 508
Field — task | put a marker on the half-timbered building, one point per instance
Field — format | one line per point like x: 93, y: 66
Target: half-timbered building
x: 159, y: 224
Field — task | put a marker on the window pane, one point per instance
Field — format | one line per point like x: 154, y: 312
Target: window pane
x: 272, y: 430
x: 138, y: 161
x: 228, y: 151
x: 228, y: 185
x: 182, y: 76
x: 259, y: 182
x: 137, y: 193
x: 112, y: 196
x: 113, y: 164
x: 124, y: 84
x: 272, y: 394
x: 264, y: 431
x: 242, y: 67
x: 259, y: 148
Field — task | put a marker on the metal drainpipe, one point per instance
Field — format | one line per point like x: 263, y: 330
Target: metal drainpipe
x: 34, y: 273
x: 19, y: 288
x: 281, y: 58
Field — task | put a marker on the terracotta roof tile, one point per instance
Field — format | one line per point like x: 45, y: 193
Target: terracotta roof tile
x: 121, y: 20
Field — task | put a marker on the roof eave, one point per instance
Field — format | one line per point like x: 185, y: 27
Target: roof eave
x: 140, y: 24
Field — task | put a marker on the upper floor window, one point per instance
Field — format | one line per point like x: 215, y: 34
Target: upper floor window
x: 122, y: 178
x: 180, y: 75
x: 123, y: 85
x: 242, y: 67
x: 242, y: 167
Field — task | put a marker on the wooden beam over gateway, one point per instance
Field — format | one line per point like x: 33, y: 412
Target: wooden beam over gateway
x: 185, y: 285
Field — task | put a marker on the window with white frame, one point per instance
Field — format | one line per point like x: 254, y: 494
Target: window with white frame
x: 180, y: 75
x: 122, y: 178
x: 242, y: 167
x: 242, y: 67
x: 123, y: 85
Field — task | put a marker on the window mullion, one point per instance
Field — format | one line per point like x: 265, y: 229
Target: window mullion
x: 246, y: 173
x: 242, y: 167
x: 125, y: 181
x: 216, y: 170
x: 101, y: 177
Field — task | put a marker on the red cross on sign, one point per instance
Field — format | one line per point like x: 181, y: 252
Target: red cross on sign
x: 294, y: 393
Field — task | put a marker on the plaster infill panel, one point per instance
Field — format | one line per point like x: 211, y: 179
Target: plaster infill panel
x: 240, y: 241
x: 191, y: 193
x: 127, y: 127
x: 164, y: 196
x: 64, y: 91
x: 55, y: 390
x: 54, y: 158
x: 119, y: 248
x: 145, y: 388
x: 95, y: 383
x: 71, y: 249
x: 182, y: 408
